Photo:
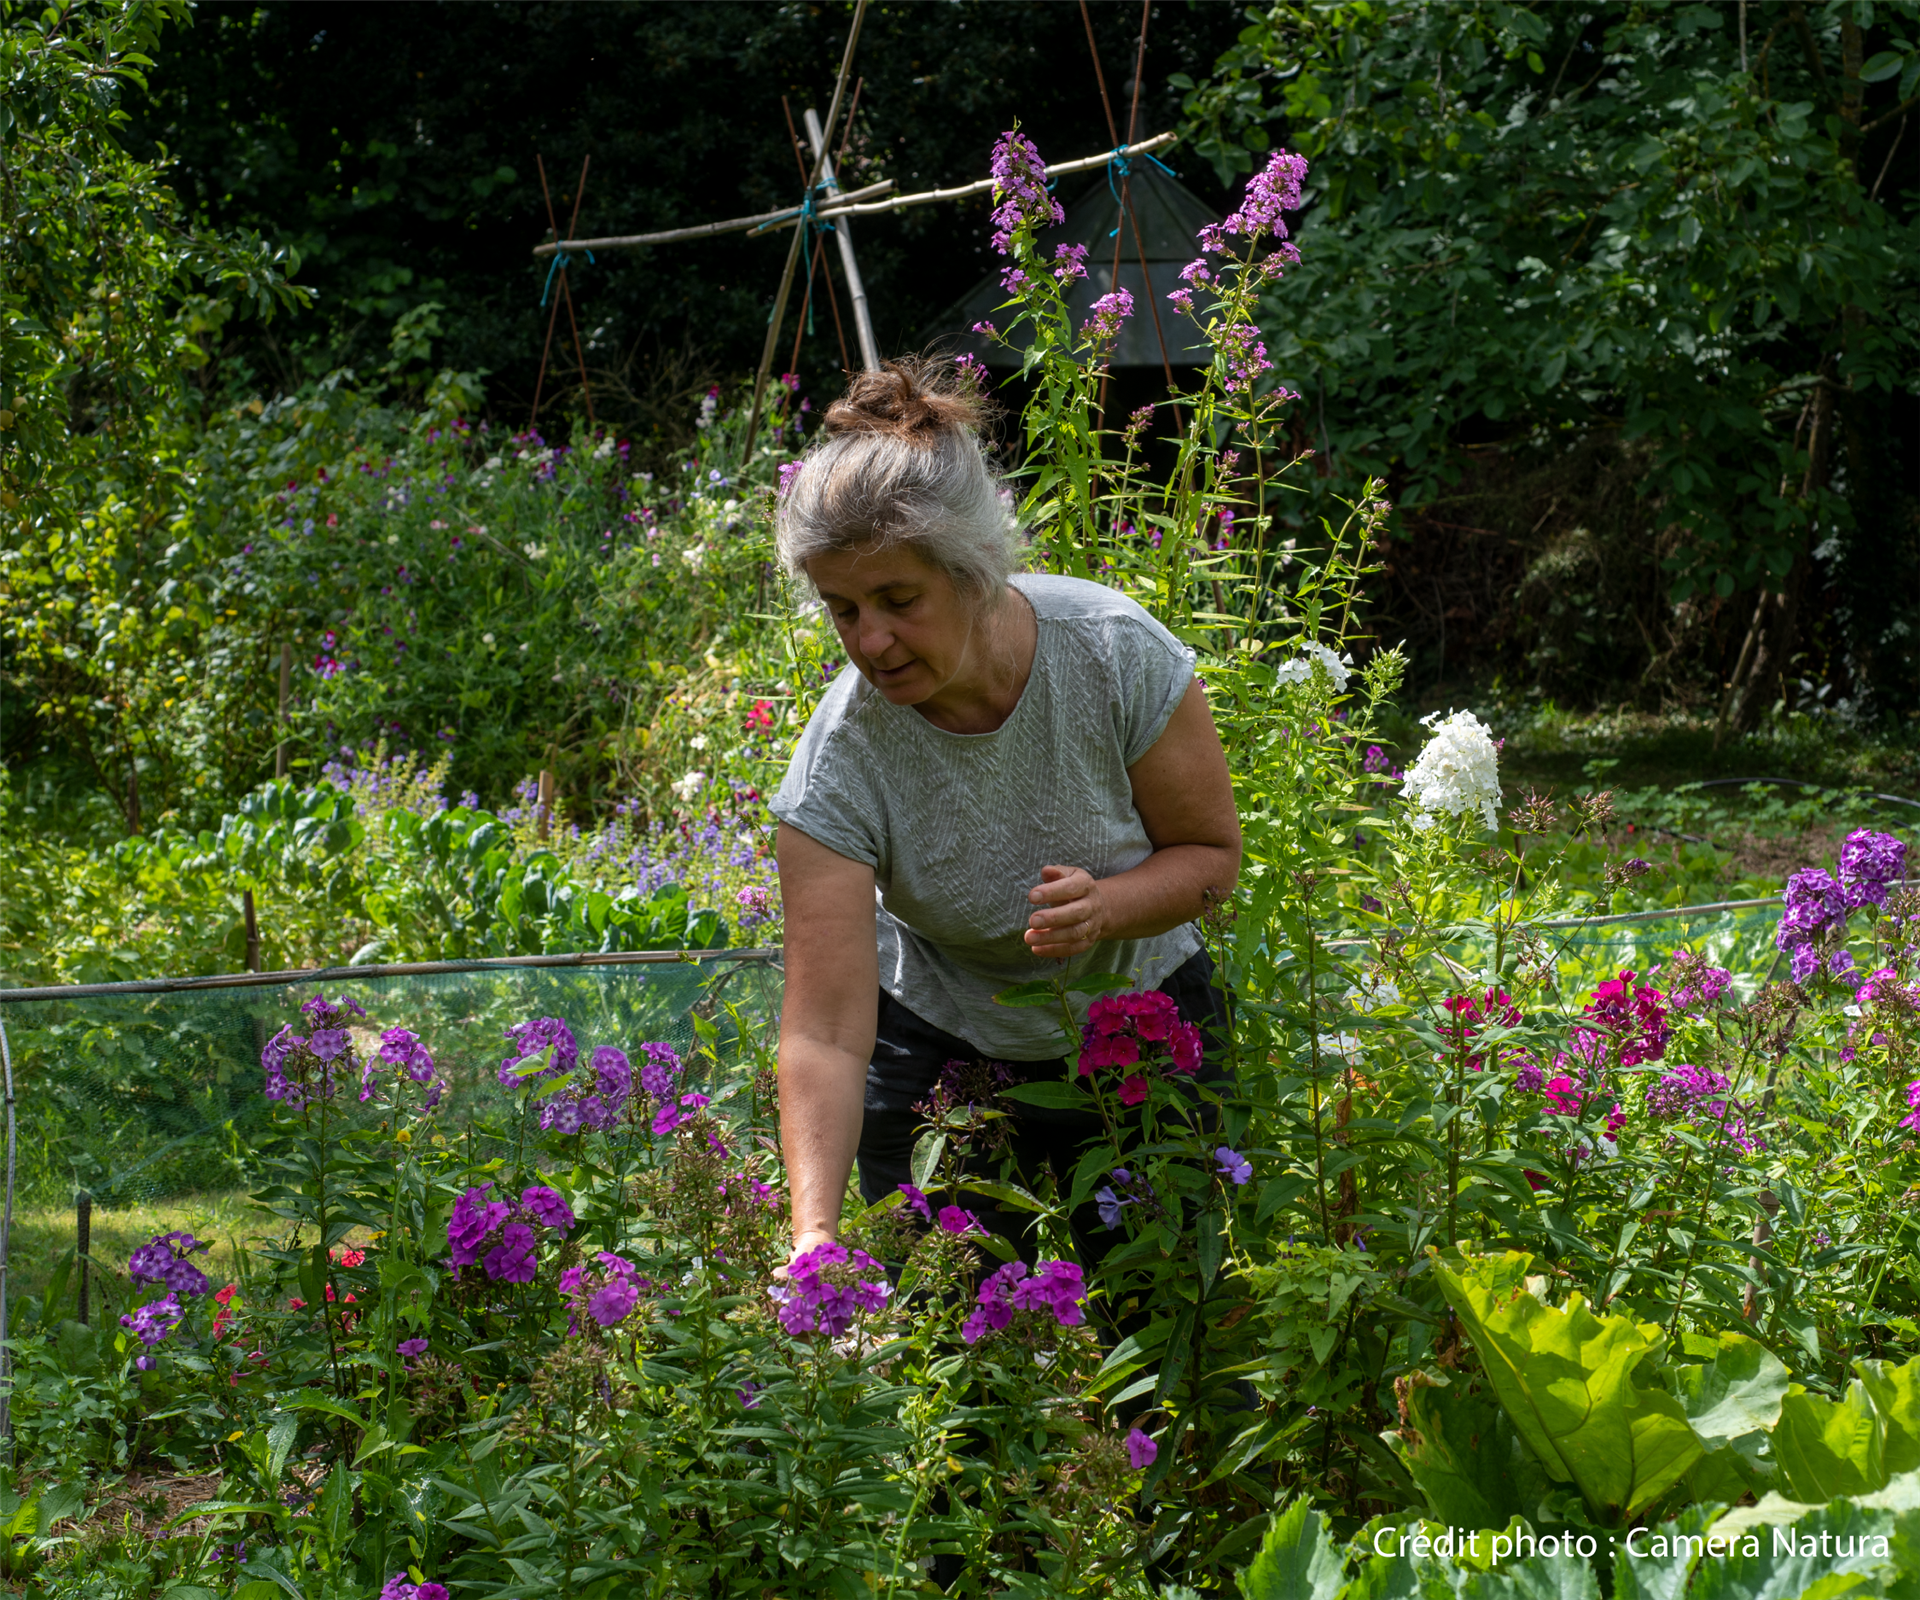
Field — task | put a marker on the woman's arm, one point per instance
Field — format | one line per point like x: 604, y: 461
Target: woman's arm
x: 827, y: 1020
x: 1184, y: 795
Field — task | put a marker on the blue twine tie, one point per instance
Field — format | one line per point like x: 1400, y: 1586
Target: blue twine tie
x: 560, y: 260
x: 1120, y: 160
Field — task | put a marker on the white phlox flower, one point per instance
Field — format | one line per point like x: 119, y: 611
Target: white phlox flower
x: 1457, y: 770
x: 1339, y: 668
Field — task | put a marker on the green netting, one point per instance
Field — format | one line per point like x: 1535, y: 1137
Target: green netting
x: 140, y: 1096
x: 1740, y: 940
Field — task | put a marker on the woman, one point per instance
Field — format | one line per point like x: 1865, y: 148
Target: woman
x: 1021, y: 768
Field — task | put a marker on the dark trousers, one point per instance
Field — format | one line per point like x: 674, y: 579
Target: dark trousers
x: 909, y: 1056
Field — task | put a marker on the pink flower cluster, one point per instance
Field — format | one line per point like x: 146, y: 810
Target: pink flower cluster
x: 501, y: 1236
x: 827, y: 1287
x: 1693, y: 983
x: 1109, y: 311
x: 1628, y: 1019
x: 1473, y: 1012
x: 1057, y: 1287
x: 1271, y: 191
x: 1130, y: 1030
x: 1882, y: 1003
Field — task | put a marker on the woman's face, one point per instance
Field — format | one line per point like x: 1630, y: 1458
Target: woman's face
x: 902, y: 622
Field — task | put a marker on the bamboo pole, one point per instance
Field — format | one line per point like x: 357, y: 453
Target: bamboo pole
x: 712, y: 230
x: 843, y: 233
x: 793, y: 250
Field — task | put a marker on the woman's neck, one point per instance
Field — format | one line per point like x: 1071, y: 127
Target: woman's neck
x: 999, y: 662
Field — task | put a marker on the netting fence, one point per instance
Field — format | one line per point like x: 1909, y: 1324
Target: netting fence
x: 123, y: 1096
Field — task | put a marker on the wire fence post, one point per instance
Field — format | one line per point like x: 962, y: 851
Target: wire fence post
x: 82, y: 1246
x: 6, y: 1242
x: 543, y: 816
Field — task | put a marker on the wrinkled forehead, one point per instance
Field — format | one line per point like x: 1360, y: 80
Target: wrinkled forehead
x: 873, y: 569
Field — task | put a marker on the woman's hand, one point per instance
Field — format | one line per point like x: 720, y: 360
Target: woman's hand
x: 1074, y: 918
x: 802, y: 1243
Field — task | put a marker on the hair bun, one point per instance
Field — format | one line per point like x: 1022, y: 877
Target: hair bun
x: 913, y: 399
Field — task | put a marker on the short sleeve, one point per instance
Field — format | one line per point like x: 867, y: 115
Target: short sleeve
x: 826, y: 793
x: 1152, y: 670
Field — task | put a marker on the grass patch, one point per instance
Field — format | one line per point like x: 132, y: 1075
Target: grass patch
x: 44, y: 1237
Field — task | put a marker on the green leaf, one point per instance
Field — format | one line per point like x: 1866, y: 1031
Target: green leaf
x: 1297, y: 1561
x: 1565, y: 1377
x: 927, y: 1150
x: 1736, y: 1393
x: 1895, y: 1393
x: 1464, y: 1454
x: 1054, y: 1094
x: 1779, y: 1561
x: 1828, y: 1448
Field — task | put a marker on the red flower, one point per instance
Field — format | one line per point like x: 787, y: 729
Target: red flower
x: 1133, y: 1089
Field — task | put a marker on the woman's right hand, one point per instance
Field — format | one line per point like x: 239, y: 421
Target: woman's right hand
x: 802, y: 1243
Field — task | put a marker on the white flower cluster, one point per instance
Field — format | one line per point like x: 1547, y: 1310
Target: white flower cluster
x: 687, y: 787
x: 1457, y: 770
x: 1339, y: 668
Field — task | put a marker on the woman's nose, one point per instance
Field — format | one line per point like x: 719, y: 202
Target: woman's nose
x: 876, y: 638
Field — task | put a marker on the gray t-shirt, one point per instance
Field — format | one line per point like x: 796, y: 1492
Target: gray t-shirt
x: 957, y: 826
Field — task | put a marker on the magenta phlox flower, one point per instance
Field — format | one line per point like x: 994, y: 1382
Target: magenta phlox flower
x: 533, y: 1038
x: 953, y: 1219
x: 155, y: 1321
x: 1627, y: 1019
x: 916, y: 1200
x: 1109, y: 312
x: 993, y: 1304
x: 408, y: 1349
x: 1133, y: 1089
x: 986, y: 329
x: 1070, y: 263
x: 789, y: 475
x: 1911, y: 1120
x: 827, y: 1287
x: 1057, y: 1287
x: 1531, y: 1078
x: 675, y: 1113
x: 1020, y: 192
x: 1141, y: 1451
x: 1127, y: 1030
x: 1473, y: 1012
x: 1015, y: 280
x: 1271, y: 191
x: 1869, y: 863
x: 321, y: 1012
x: 547, y: 1207
x: 401, y: 1587
x: 1195, y: 272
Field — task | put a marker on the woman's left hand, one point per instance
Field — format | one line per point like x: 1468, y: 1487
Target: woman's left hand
x: 1073, y: 918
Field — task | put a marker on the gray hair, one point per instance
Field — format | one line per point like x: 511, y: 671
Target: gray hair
x: 899, y: 462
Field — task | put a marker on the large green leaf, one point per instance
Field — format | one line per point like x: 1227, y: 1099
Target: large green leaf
x: 1895, y: 1393
x: 1829, y: 1448
x: 1566, y: 1378
x: 1738, y: 1392
x: 1297, y: 1561
x: 1466, y: 1457
x: 1827, y: 1552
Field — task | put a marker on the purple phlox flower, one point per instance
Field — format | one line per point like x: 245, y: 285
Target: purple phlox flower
x: 916, y: 1200
x: 954, y: 1220
x: 613, y: 1301
x: 993, y: 1304
x: 662, y: 1067
x: 789, y: 474
x: 400, y: 1047
x: 511, y: 1260
x: 613, y: 1074
x: 1141, y: 1451
x: 1840, y: 963
x: 1232, y: 1165
x: 1272, y: 190
x: 1244, y: 353
x: 1014, y: 280
x: 1070, y: 262
x: 1195, y: 271
x: 321, y: 1012
x: 1814, y: 903
x: 1693, y: 984
x: 546, y: 1207
x: 750, y: 1395
x: 1056, y: 1286
x: 1111, y: 1205
x: 1805, y: 962
x: 1109, y: 311
x: 987, y: 329
x: 1872, y: 857
x: 474, y: 1219
x: 163, y: 1259
x: 674, y: 1113
x: 970, y: 368
x: 1020, y: 192
x: 408, y: 1349
x: 1686, y: 1090
x: 1912, y: 1119
x: 827, y: 1287
x: 536, y: 1037
x: 154, y: 1321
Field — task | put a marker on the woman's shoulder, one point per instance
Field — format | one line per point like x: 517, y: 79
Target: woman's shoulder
x: 1081, y: 605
